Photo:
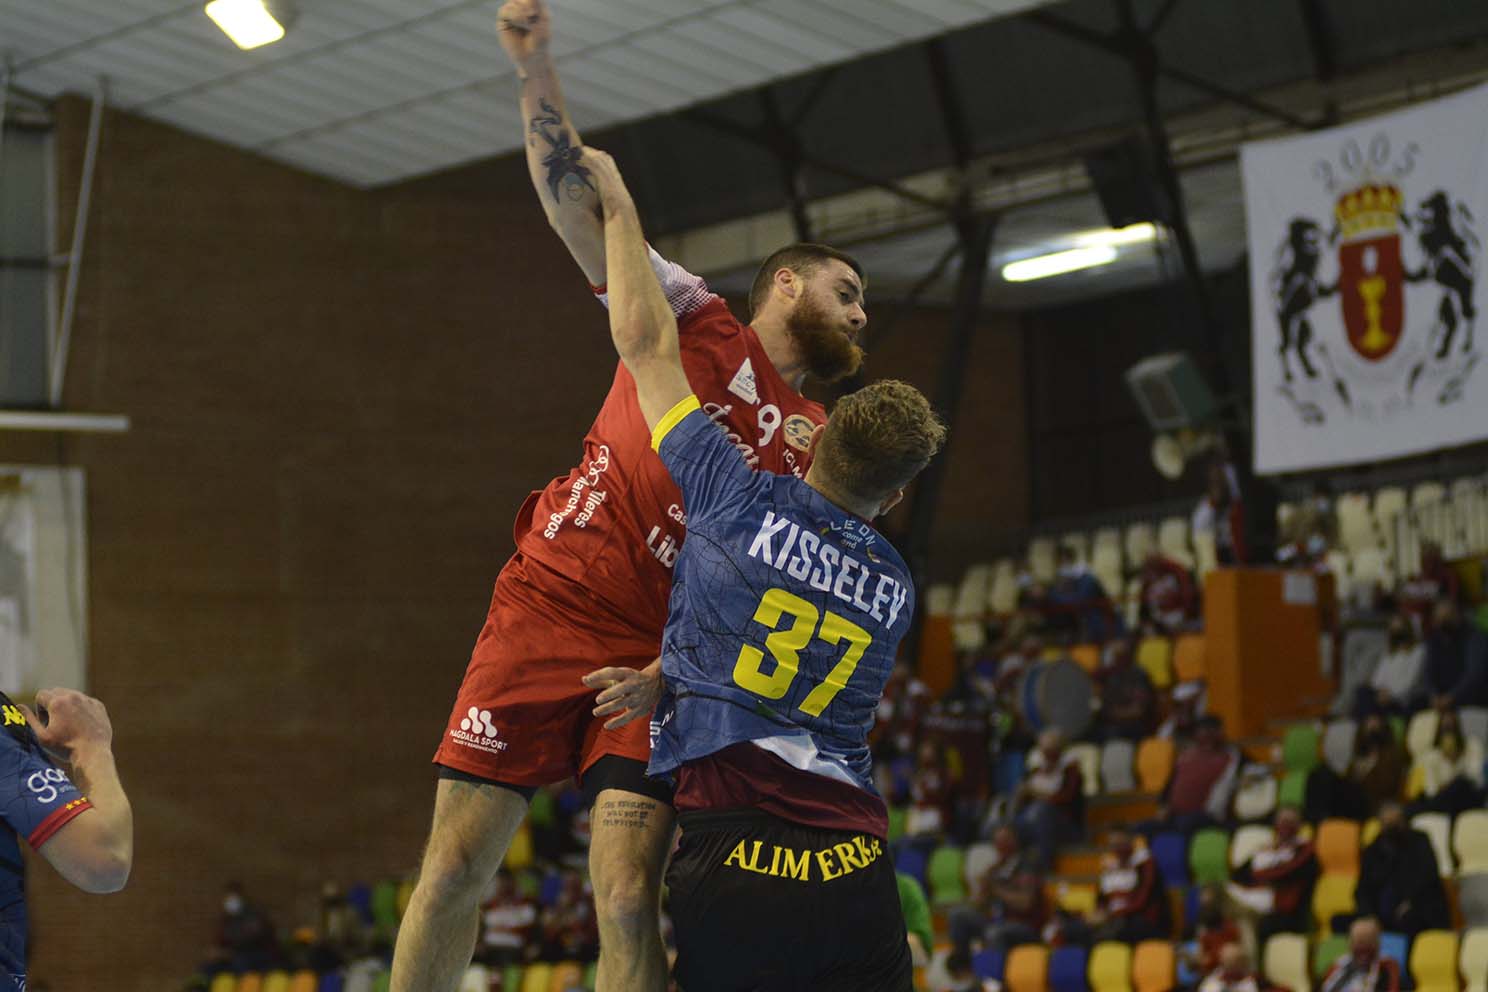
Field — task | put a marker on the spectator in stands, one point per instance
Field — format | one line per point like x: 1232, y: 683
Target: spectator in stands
x: 1456, y: 659
x: 1078, y: 604
x: 1363, y: 968
x: 1453, y: 770
x: 1232, y: 973
x: 1399, y: 881
x: 1287, y: 868
x: 508, y: 921
x: 1008, y: 906
x: 246, y: 939
x: 959, y: 974
x: 342, y: 933
x: 569, y: 929
x: 1221, y: 514
x: 1052, y: 797
x: 1435, y: 582
x: 1128, y: 699
x: 931, y: 794
x: 1183, y: 716
x: 1133, y: 899
x: 1169, y: 597
x: 1215, y: 929
x: 1399, y: 680
x: 1203, y: 780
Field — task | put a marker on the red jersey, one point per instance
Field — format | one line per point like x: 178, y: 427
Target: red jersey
x: 615, y: 522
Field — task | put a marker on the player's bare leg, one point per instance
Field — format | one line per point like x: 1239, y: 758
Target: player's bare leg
x: 473, y: 826
x: 630, y: 836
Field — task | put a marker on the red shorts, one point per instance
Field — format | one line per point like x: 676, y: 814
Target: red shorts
x: 522, y: 716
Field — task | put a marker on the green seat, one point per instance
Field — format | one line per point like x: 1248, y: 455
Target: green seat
x: 898, y: 815
x: 947, y: 876
x: 1299, y: 749
x: 385, y: 905
x: 1209, y: 856
x: 511, y: 978
x: 591, y: 975
x: 1397, y: 724
x: 383, y: 982
x: 528, y: 884
x: 1293, y: 790
x: 542, y: 811
x: 1328, y: 950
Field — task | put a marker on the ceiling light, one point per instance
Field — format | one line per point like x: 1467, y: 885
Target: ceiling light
x: 1130, y: 235
x: 251, y: 23
x: 1060, y: 262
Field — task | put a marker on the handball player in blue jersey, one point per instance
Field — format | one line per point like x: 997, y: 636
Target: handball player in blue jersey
x: 787, y: 609
x: 86, y: 833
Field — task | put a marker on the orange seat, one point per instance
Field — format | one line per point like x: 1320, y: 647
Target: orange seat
x: 1155, y: 763
x: 568, y: 975
x: 1027, y: 969
x: 1338, y: 847
x: 1087, y: 656
x: 1154, y: 966
x: 1188, y: 658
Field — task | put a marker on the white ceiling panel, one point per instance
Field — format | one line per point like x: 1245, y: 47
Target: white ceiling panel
x: 373, y: 91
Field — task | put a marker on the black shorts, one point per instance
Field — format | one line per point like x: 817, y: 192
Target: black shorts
x: 763, y: 905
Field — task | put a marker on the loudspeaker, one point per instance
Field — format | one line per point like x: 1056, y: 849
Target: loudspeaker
x: 1125, y: 178
x: 1171, y: 392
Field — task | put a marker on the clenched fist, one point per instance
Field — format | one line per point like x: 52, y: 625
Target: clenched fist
x: 525, y: 29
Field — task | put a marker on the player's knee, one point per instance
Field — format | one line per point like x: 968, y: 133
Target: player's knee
x: 451, y: 873
x: 625, y: 898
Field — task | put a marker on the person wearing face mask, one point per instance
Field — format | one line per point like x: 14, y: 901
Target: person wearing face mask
x: 1436, y: 581
x: 1398, y: 683
x: 1233, y: 974
x: 1456, y: 659
x: 1362, y: 968
x: 245, y: 936
x: 1287, y: 868
x: 1453, y: 770
x: 1133, y: 899
x: 1008, y: 908
x: 1077, y: 603
x: 1399, y: 882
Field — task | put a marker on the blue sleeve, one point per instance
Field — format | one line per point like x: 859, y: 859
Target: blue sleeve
x: 36, y: 797
x: 708, y: 468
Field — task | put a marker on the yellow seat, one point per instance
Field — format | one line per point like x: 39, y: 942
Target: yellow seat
x: 1470, y: 841
x: 537, y: 978
x: 519, y: 854
x: 1027, y: 969
x: 1155, y: 655
x: 1371, y: 832
x: 1474, y: 959
x: 1155, y: 763
x: 1188, y: 658
x: 276, y: 981
x: 1433, y: 961
x: 1338, y: 847
x: 224, y: 982
x: 405, y: 896
x: 1284, y: 962
x: 1075, y: 897
x: 1415, y: 782
x: 1154, y: 966
x: 1110, y: 968
x: 1334, y: 896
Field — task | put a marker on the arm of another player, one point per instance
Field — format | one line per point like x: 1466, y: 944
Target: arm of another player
x: 642, y: 324
x: 564, y: 186
x: 95, y: 849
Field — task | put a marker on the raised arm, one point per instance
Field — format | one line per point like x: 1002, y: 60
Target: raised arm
x: 564, y: 184
x: 641, y: 320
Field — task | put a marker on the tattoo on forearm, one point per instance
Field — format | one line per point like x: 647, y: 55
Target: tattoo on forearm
x: 562, y: 159
x: 624, y: 813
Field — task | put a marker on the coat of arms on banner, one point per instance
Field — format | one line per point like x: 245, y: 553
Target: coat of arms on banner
x: 1395, y: 260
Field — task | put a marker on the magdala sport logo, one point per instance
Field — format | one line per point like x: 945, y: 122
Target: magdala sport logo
x: 477, y: 731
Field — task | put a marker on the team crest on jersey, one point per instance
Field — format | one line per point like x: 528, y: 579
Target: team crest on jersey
x: 856, y: 535
x: 744, y: 384
x: 798, y: 431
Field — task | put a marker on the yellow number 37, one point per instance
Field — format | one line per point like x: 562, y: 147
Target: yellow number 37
x: 785, y: 647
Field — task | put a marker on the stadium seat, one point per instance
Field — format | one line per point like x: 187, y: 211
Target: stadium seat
x: 1155, y: 763
x: 1355, y: 522
x: 1396, y: 946
x: 1433, y: 961
x: 1027, y: 969
x: 1067, y: 969
x: 1426, y: 493
x: 591, y: 976
x: 519, y: 854
x: 1087, y: 656
x: 1208, y: 856
x: 1338, y: 846
x: 1154, y: 966
x: 1474, y: 959
x: 475, y: 979
x: 1420, y: 732
x: 1172, y: 539
x: 990, y: 963
x: 537, y: 978
x: 1110, y: 968
x: 1079, y: 898
x: 1470, y: 841
x: 1474, y: 723
x: 979, y: 857
x: 1389, y: 502
x: 1333, y: 896
x: 567, y: 975
x: 276, y: 981
x: 1338, y: 745
x: 331, y: 981
x: 511, y: 978
x: 1293, y: 790
x: 1105, y: 564
x: 947, y: 875
x: 1206, y: 555
x: 1438, y: 827
x: 1043, y: 558
x: 385, y: 905
x: 1370, y: 832
x: 1155, y: 656
x: 1170, y: 851
x: 1299, y: 749
x: 897, y: 817
x: 1009, y: 771
x: 1284, y: 962
x: 382, y: 981
x: 1118, y: 760
x: 1089, y: 757
x: 1247, y: 841
x: 1415, y: 782
x: 223, y: 981
x: 1002, y: 597
x: 911, y: 860
x: 1140, y: 540
x: 1472, y: 898
x: 250, y: 982
x: 1256, y: 797
x: 1328, y: 950
x: 1188, y: 658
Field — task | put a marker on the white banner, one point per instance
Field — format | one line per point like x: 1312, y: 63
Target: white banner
x: 1365, y: 285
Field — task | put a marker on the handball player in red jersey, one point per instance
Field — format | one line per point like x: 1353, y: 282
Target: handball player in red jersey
x: 582, y: 603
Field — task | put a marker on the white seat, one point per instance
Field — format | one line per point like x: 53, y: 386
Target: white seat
x: 1256, y: 797
x: 1338, y: 564
x: 1107, y: 537
x: 1426, y: 493
x: 1089, y: 757
x: 1474, y: 959
x: 1043, y: 559
x: 1355, y: 521
x: 1172, y: 536
x: 969, y: 632
x: 1438, y: 827
x: 1206, y: 556
x: 1131, y: 601
x: 1420, y: 733
x: 1246, y: 842
x: 1118, y: 760
x: 1141, y: 539
x: 940, y: 600
x: 1472, y: 898
x: 1284, y: 962
x: 979, y: 857
x: 1078, y: 543
x: 1002, y: 597
x: 475, y: 979
x: 1388, y: 502
x: 1470, y: 841
x: 1105, y: 562
x: 1474, y: 723
x: 1338, y: 745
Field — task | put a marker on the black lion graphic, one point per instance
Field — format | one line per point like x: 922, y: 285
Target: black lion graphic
x: 1295, y: 286
x: 1450, y: 255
